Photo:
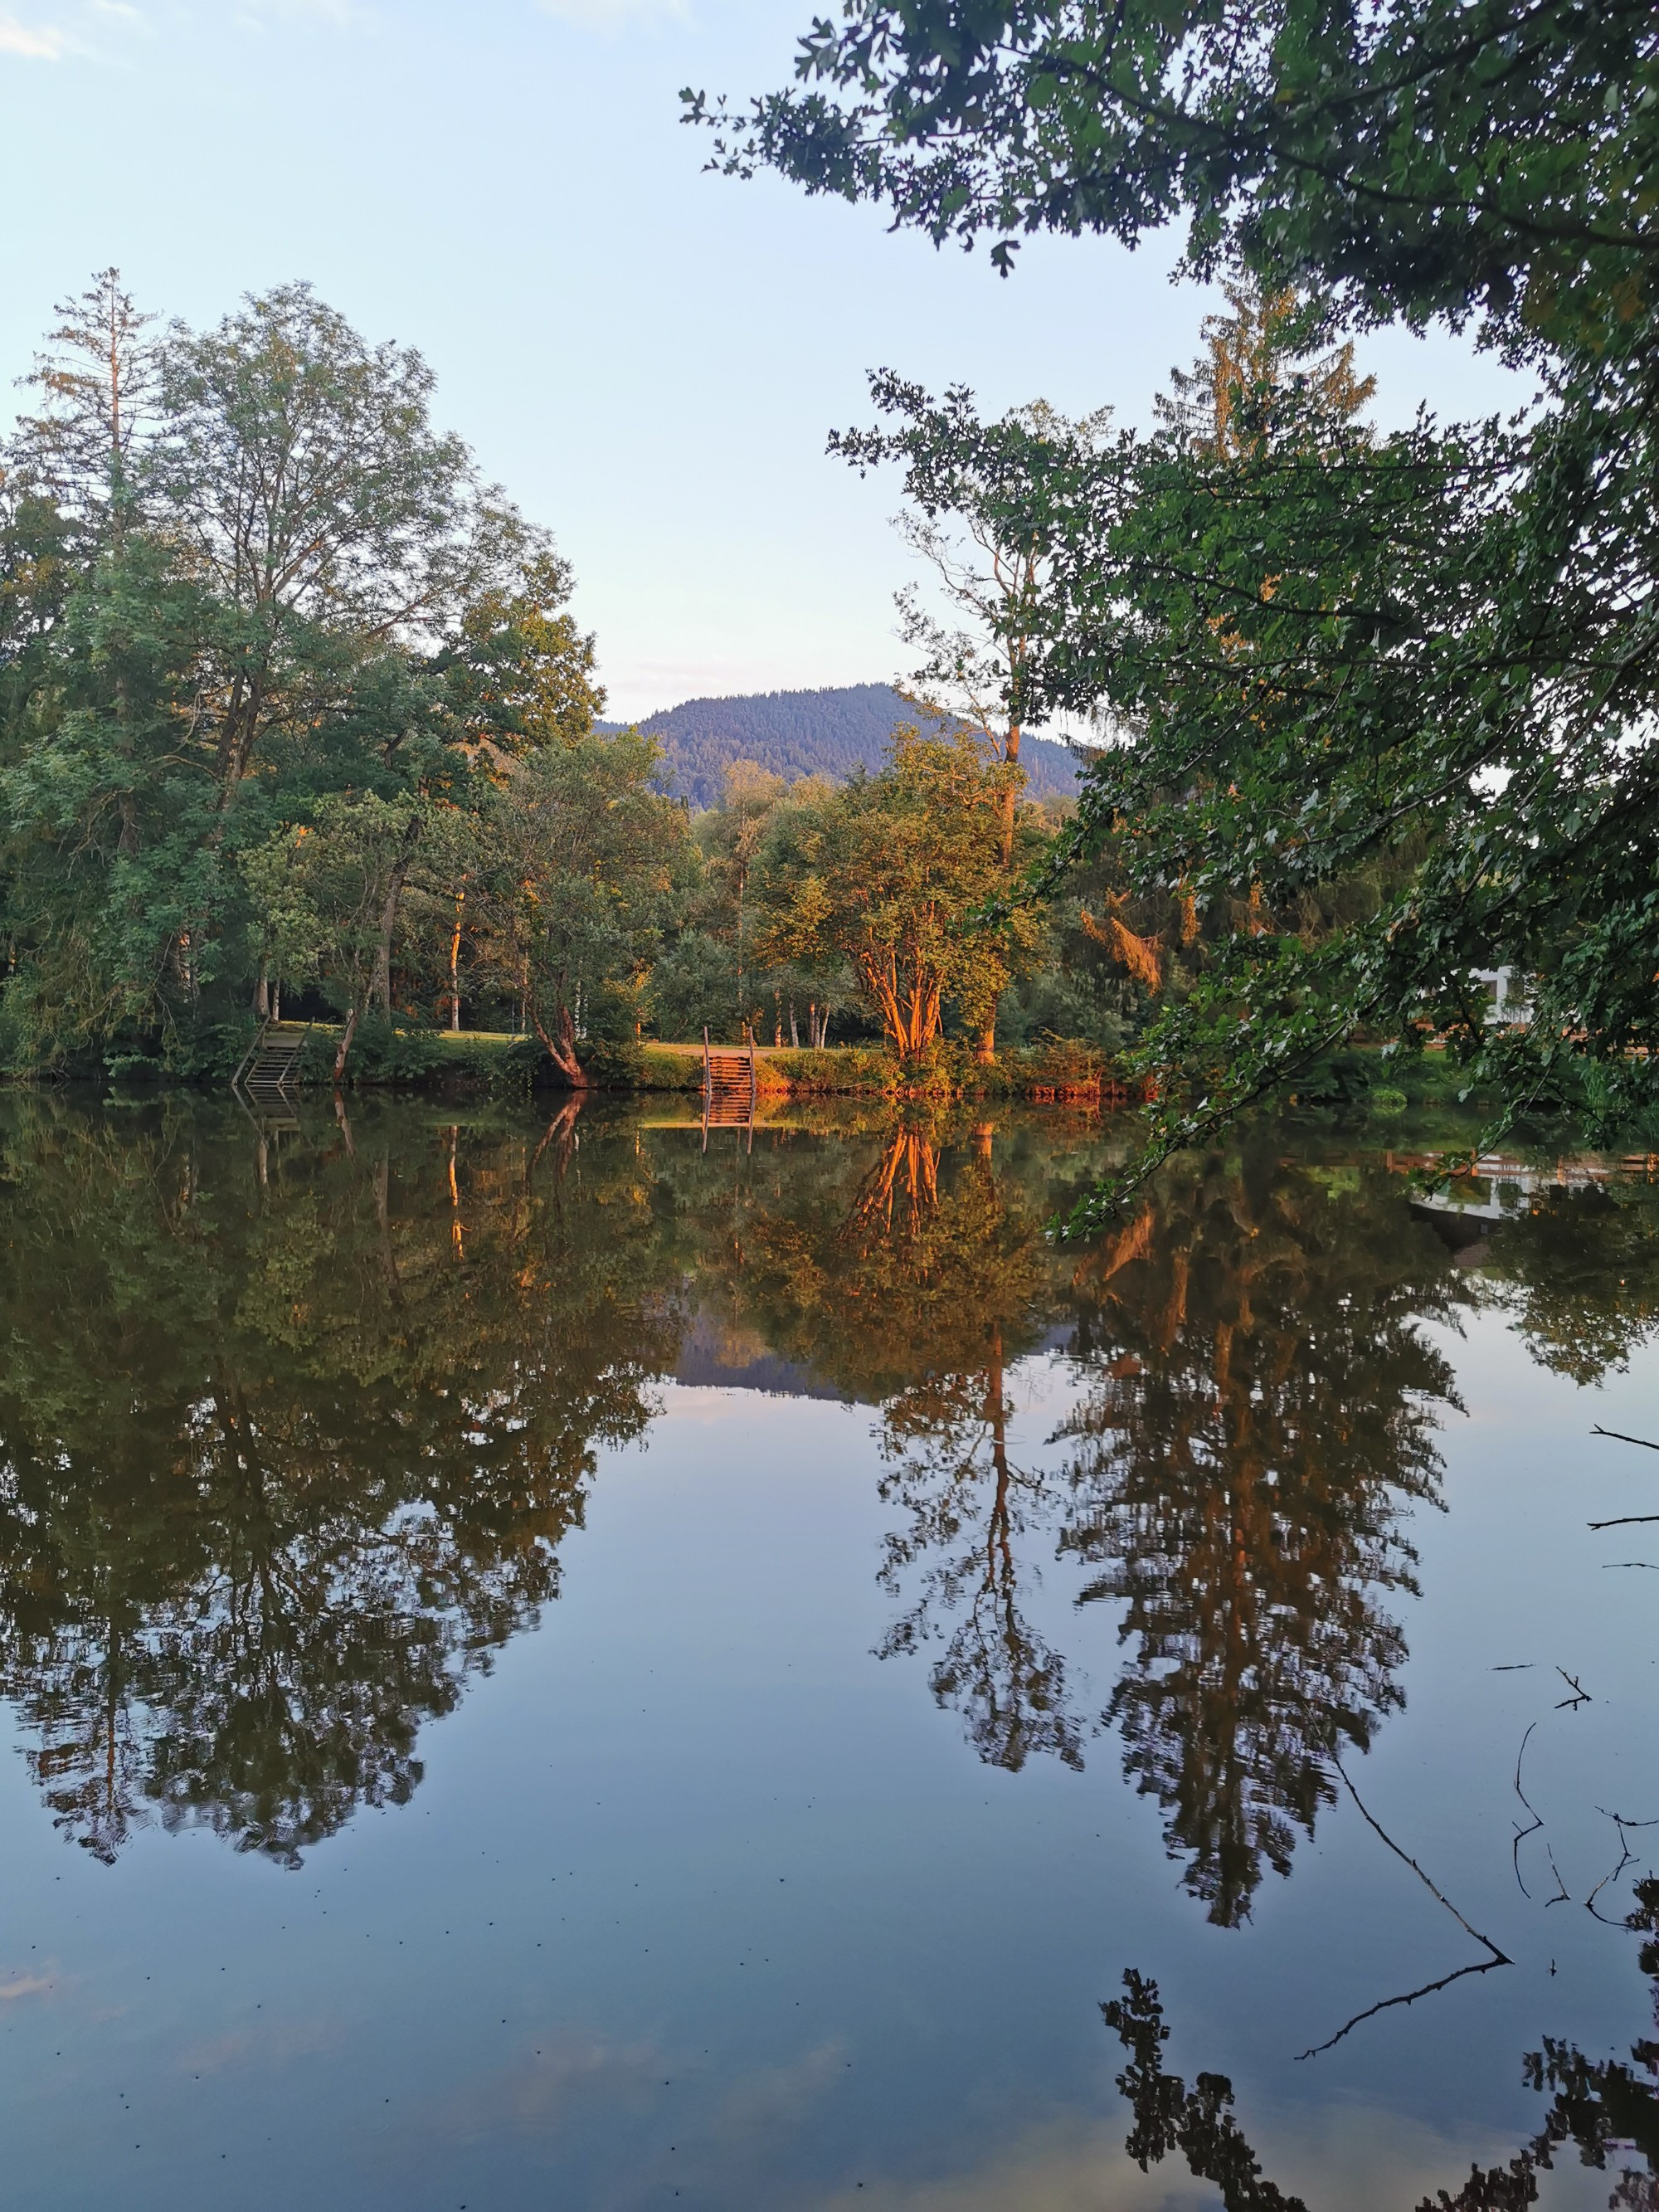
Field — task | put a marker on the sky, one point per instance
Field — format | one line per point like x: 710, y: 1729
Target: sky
x: 647, y: 356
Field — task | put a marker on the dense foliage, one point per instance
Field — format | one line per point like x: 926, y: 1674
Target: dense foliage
x: 294, y: 718
x: 1426, y: 662
x: 296, y: 1447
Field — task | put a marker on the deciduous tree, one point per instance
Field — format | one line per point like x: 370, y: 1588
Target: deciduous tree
x: 590, y: 860
x: 885, y: 875
x: 1340, y: 645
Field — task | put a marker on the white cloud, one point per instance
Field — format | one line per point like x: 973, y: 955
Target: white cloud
x: 27, y: 1985
x: 42, y: 44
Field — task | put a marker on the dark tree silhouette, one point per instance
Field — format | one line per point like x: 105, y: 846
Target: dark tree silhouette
x: 286, y: 1460
x: 1604, y: 2109
x: 1260, y: 1419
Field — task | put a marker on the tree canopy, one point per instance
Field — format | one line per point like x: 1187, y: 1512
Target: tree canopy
x: 1429, y: 657
x: 1494, y: 160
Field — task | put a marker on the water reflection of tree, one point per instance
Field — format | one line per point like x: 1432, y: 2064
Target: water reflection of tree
x: 1578, y: 1271
x: 1605, y: 2110
x: 915, y: 1288
x: 945, y: 1441
x: 284, y: 1464
x: 1260, y: 1412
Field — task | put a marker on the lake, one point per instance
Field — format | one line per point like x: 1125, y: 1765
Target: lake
x: 600, y: 1664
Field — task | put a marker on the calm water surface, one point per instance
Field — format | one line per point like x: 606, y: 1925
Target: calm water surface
x: 558, y: 1667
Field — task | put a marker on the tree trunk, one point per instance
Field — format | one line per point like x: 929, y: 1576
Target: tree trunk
x: 743, y: 883
x: 1010, y: 797
x: 985, y: 1048
x: 236, y: 736
x: 562, y: 1135
x: 455, y: 964
x: 383, y: 1223
x: 262, y: 997
x: 794, y: 1034
x: 560, y: 1045
x: 379, y: 989
x: 344, y: 1045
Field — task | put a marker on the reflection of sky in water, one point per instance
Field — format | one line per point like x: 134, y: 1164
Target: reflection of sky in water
x: 699, y: 1896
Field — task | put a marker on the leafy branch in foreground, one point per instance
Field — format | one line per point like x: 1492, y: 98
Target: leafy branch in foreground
x: 1422, y: 667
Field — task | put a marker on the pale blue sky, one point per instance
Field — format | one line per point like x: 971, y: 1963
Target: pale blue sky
x: 647, y: 356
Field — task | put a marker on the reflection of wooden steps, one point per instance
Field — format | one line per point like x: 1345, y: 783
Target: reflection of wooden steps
x: 730, y: 1087
x: 271, y: 1063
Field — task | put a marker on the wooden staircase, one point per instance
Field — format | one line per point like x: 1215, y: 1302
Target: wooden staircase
x: 271, y: 1065
x: 730, y: 1087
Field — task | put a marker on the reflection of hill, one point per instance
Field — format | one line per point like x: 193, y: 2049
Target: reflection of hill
x: 289, y: 1444
x: 709, y: 1358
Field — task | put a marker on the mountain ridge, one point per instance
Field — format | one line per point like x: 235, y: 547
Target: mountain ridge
x: 828, y: 732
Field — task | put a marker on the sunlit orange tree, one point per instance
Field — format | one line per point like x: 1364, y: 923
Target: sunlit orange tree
x: 887, y: 874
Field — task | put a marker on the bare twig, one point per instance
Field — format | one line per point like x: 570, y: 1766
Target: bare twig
x: 1521, y: 1834
x: 1645, y: 1443
x: 1496, y: 1957
x: 1475, y: 1966
x: 1563, y: 1895
x: 1580, y: 1696
x: 1624, y: 1520
x: 1626, y: 1855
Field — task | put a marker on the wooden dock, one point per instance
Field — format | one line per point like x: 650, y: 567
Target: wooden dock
x: 730, y: 1087
x: 270, y: 1064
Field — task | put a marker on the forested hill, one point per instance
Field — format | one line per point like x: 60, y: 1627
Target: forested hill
x: 810, y: 733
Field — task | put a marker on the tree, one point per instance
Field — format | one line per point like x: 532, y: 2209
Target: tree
x: 246, y: 591
x: 990, y: 562
x: 730, y: 839
x: 1259, y: 346
x: 885, y: 874
x: 326, y: 892
x: 109, y: 806
x: 1451, y: 161
x: 298, y: 468
x: 730, y: 836
x: 100, y: 384
x: 1146, y: 919
x: 694, y: 988
x: 590, y: 860
x: 1346, y: 646
x: 520, y: 673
